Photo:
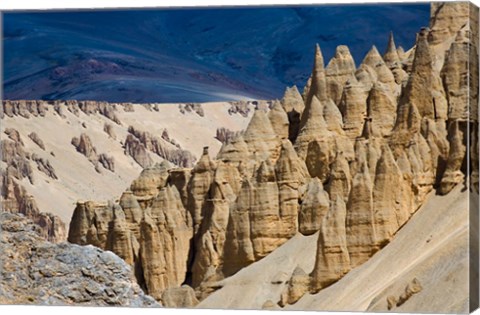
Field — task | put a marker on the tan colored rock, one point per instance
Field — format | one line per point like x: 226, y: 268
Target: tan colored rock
x: 150, y: 181
x: 210, y: 245
x: 381, y: 109
x: 314, y: 207
x: 390, y: 209
x: 292, y: 100
x: 294, y: 106
x: 84, y: 145
x: 279, y: 120
x: 291, y: 174
x: 261, y: 139
x: 366, y: 75
x: 119, y: 238
x: 235, y: 152
x: 374, y: 60
x: 297, y: 286
x: 133, y: 212
x: 424, y: 88
x: 108, y: 128
x: 315, y: 144
x: 353, y: 107
x: 238, y: 250
x: 318, y: 85
x: 179, y: 297
x: 90, y: 223
x: 339, y: 184
x: 165, y: 242
x: 453, y: 76
x: 338, y: 71
x: 446, y: 19
x: 180, y: 177
x: 332, y: 259
x: 391, y: 55
x: 360, y: 226
x: 198, y: 187
x: 265, y: 222
x: 289, y: 167
x: 453, y: 174
x: 37, y: 140
x: 333, y: 117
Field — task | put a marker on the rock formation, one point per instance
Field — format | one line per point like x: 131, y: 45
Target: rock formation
x: 139, y: 142
x: 332, y: 260
x: 37, y: 140
x: 297, y: 286
x: 339, y: 70
x: 325, y: 163
x: 84, y: 145
x: 16, y: 200
x: 225, y: 135
x: 108, y: 128
x: 41, y: 273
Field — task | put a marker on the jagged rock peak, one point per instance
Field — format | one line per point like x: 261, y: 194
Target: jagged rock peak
x: 339, y: 70
x: 318, y: 86
x: 332, y: 259
x: 292, y: 100
x: 204, y: 164
x: 391, y: 55
x: 373, y: 58
x: 314, y: 207
x: 261, y: 138
x: 279, y: 119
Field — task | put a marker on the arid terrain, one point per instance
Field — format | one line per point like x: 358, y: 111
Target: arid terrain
x: 353, y: 193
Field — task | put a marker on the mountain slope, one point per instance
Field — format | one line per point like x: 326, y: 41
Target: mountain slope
x: 185, y: 55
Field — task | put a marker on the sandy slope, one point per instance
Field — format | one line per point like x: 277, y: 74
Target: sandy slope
x: 77, y: 176
x: 432, y: 247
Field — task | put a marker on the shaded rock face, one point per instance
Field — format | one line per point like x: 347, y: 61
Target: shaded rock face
x: 138, y: 143
x: 84, y: 146
x: 41, y: 273
x: 38, y: 141
x: 14, y: 198
x: 323, y: 163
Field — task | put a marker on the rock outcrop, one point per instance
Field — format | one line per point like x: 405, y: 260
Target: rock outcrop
x: 138, y: 143
x: 84, y: 145
x: 41, y: 273
x: 37, y: 140
x: 16, y: 200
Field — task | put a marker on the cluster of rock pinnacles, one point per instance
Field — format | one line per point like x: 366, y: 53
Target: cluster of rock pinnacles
x: 352, y: 159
